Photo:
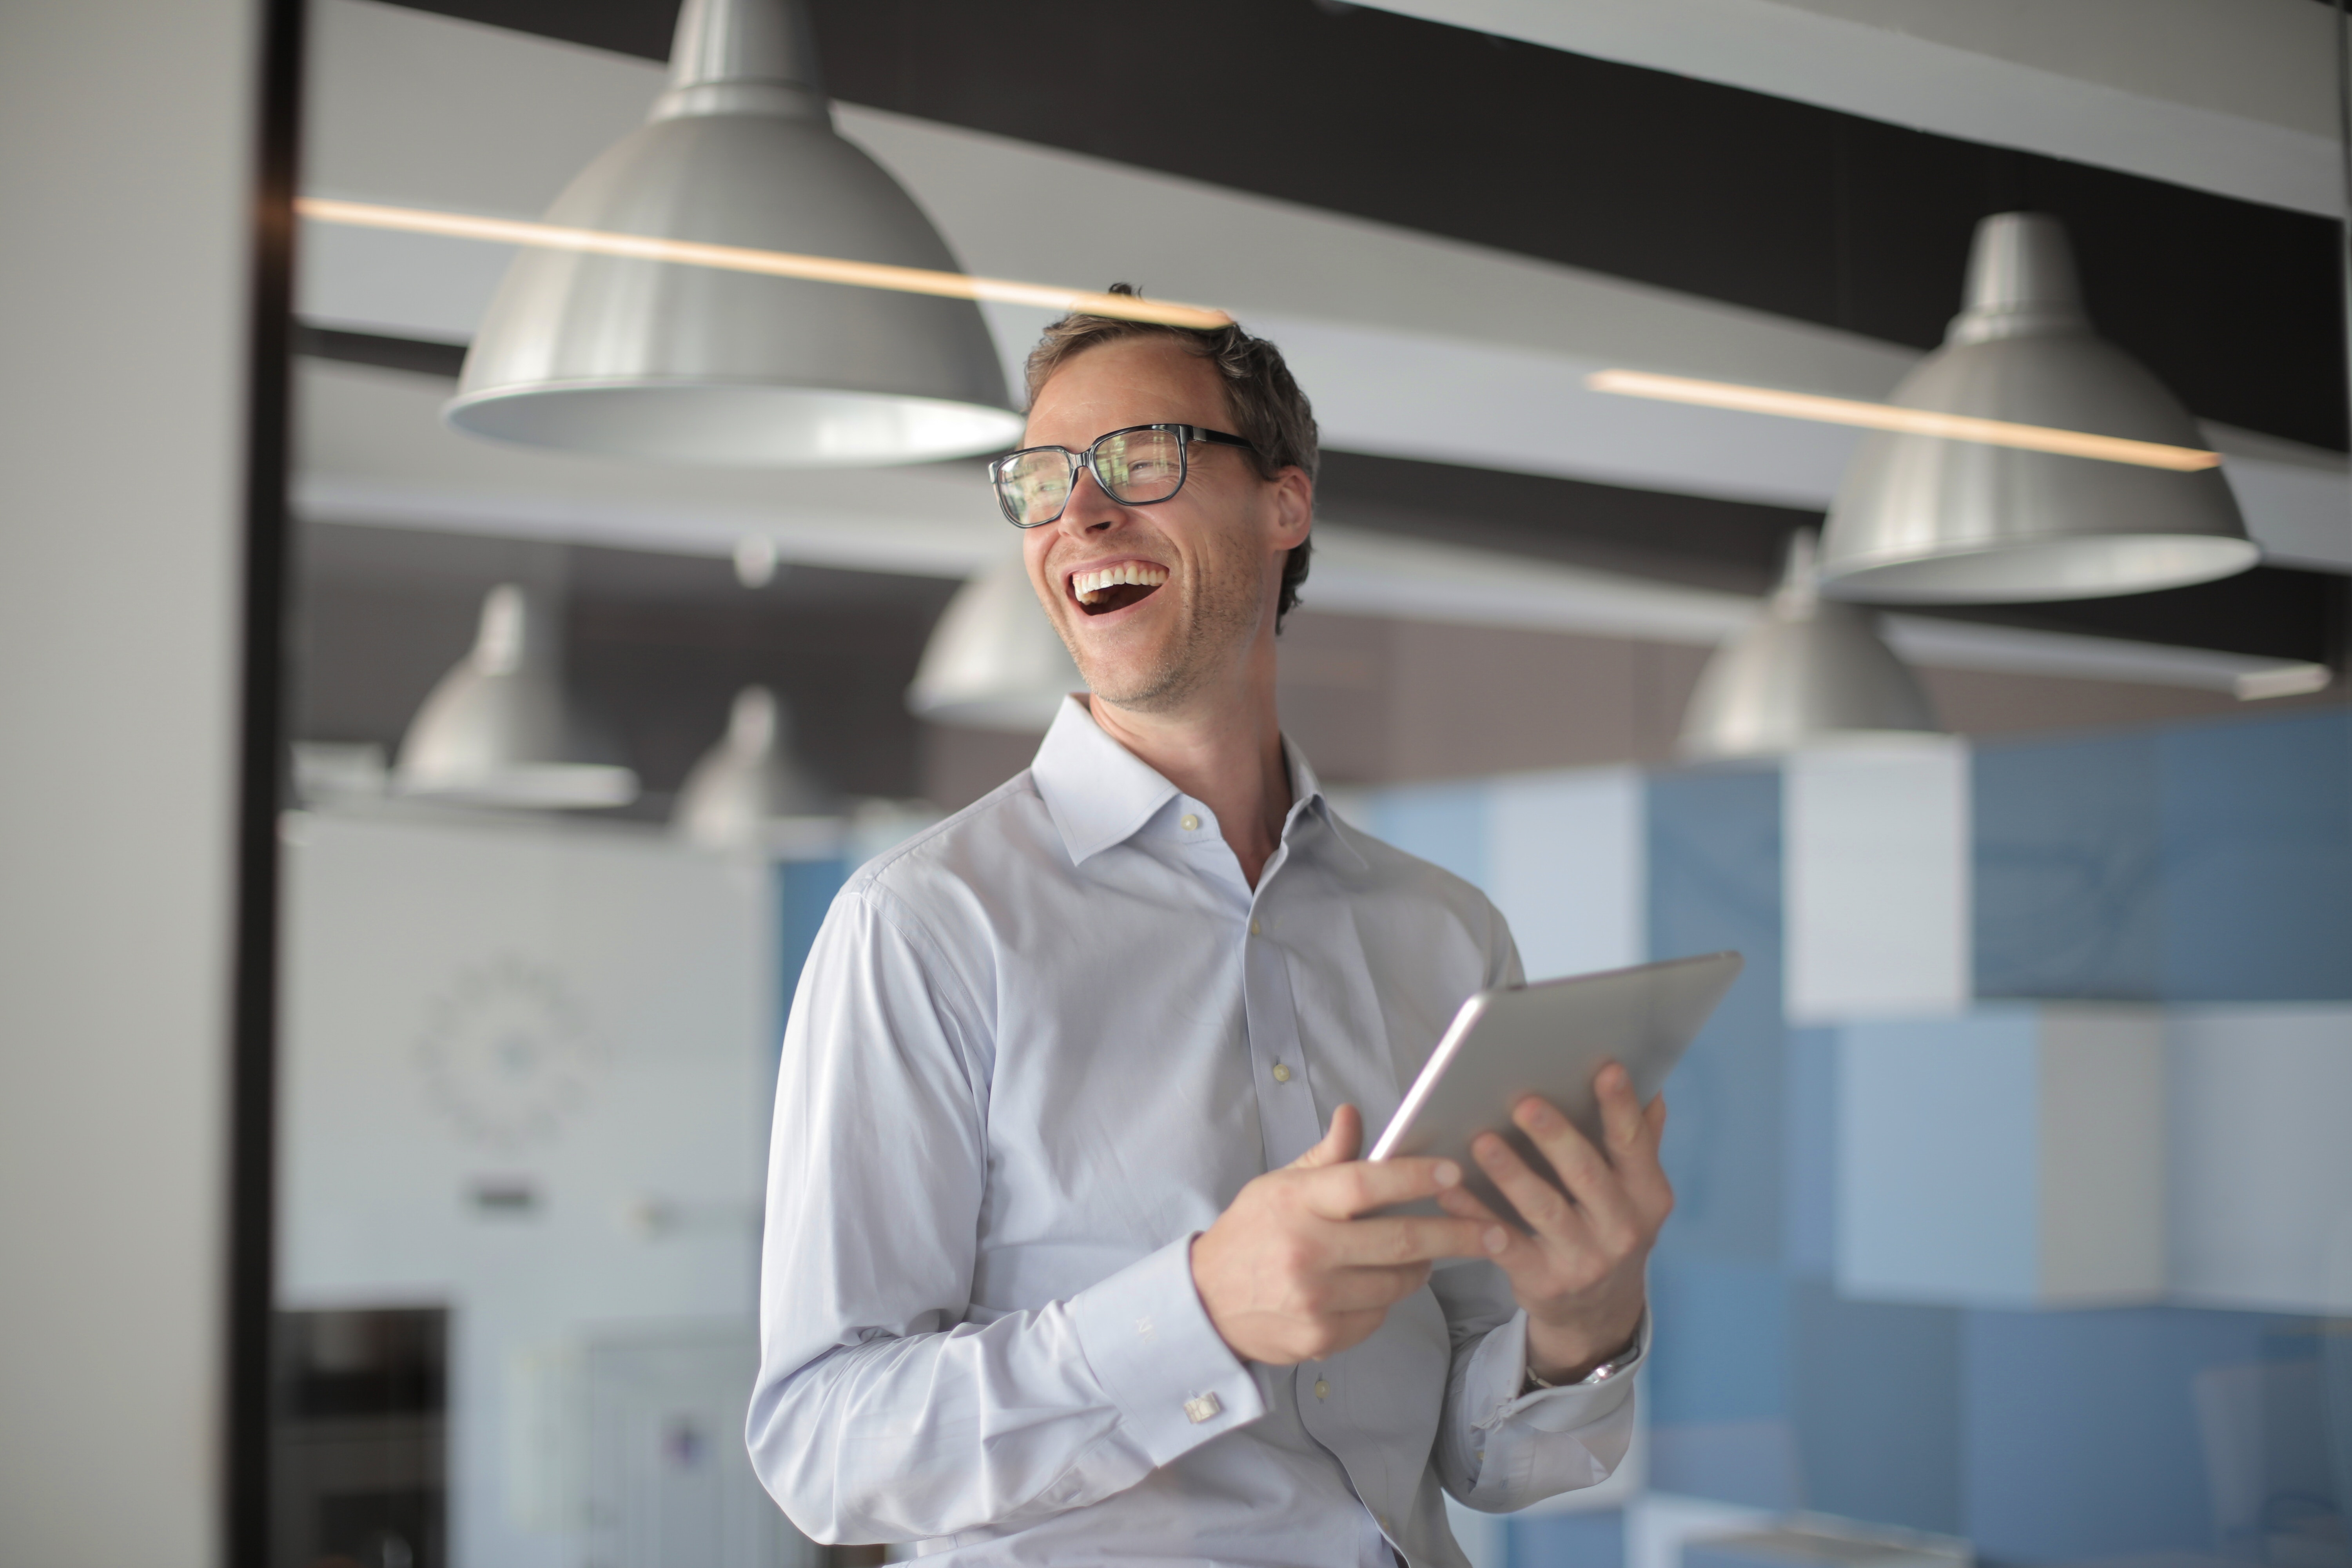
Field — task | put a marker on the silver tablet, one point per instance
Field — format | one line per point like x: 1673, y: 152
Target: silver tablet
x: 1550, y: 1039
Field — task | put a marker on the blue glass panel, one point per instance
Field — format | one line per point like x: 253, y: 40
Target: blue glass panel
x: 1876, y: 1391
x: 2084, y: 1438
x: 805, y: 890
x: 1715, y: 882
x: 1443, y: 824
x: 1568, y: 1541
x: 1939, y: 1157
x: 1809, y: 1196
x: 2258, y: 860
x: 2068, y: 867
x: 1721, y: 1343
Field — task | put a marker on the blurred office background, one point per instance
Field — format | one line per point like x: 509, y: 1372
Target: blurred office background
x: 2015, y: 1176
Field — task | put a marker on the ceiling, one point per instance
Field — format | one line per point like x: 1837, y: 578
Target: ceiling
x: 1442, y: 266
x: 1706, y: 189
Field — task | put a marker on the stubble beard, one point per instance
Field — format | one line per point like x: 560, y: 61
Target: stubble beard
x: 1221, y: 609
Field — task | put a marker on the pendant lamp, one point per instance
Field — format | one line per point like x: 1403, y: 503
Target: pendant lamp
x: 499, y: 729
x: 995, y: 661
x: 751, y: 791
x: 1806, y: 672
x: 1927, y: 518
x: 668, y: 361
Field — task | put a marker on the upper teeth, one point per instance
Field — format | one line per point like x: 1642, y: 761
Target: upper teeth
x: 1090, y: 585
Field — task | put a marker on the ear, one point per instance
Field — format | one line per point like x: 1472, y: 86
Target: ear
x: 1294, y: 509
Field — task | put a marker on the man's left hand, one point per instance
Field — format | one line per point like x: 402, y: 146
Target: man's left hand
x: 1579, y: 1275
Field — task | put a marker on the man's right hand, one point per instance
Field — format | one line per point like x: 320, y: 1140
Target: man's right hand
x: 1288, y: 1273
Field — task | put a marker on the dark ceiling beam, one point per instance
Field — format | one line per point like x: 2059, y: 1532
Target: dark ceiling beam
x: 1710, y: 190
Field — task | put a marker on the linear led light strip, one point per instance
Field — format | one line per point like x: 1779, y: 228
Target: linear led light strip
x: 1907, y: 421
x: 742, y: 258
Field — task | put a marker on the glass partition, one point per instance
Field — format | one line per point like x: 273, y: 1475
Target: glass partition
x: 2012, y: 1178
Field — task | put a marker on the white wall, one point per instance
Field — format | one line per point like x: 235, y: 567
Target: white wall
x: 2262, y: 1174
x: 585, y: 1013
x: 124, y: 147
x: 1874, y: 843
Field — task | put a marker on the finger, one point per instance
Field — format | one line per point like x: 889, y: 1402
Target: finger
x: 1540, y: 1204
x: 1339, y: 1144
x: 1621, y: 1108
x: 1358, y: 1186
x: 1463, y: 1204
x: 1402, y: 1239
x: 1582, y: 1169
x: 1506, y: 1244
x: 1640, y: 1171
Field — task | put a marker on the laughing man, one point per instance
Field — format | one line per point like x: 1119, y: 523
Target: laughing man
x: 1063, y: 1256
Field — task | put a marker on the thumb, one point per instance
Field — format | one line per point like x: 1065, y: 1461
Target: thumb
x: 1341, y: 1143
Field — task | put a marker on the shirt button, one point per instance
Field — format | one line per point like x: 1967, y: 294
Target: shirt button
x: 1254, y: 928
x: 1281, y: 1073
x: 1189, y: 823
x: 1322, y: 1389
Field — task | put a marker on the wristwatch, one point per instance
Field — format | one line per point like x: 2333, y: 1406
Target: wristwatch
x: 1608, y: 1371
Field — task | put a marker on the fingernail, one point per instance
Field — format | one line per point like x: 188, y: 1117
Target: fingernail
x: 1494, y: 1239
x: 1448, y: 1173
x: 1489, y: 1151
x: 1533, y: 1113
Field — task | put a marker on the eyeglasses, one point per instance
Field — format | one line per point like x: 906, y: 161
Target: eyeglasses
x: 1135, y: 467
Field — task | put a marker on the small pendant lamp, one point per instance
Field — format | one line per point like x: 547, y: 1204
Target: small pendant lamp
x: 668, y: 361
x: 499, y: 729
x: 1808, y: 672
x: 995, y: 661
x: 752, y: 791
x: 1927, y: 519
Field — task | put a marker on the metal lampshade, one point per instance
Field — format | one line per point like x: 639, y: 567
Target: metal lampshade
x: 751, y: 791
x: 1808, y: 672
x: 498, y: 730
x: 675, y: 363
x: 1924, y: 518
x: 995, y: 661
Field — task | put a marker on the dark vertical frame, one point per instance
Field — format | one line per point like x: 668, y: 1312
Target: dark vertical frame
x: 261, y: 775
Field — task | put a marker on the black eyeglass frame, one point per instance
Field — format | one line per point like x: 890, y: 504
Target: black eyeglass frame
x: 1086, y: 459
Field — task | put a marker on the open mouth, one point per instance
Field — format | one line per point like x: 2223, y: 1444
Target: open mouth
x: 1109, y: 588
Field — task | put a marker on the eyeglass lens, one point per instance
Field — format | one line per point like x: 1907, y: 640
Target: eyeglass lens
x: 1133, y: 466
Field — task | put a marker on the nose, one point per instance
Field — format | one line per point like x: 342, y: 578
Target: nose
x: 1091, y: 509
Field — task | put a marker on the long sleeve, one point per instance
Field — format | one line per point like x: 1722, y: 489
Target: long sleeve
x: 883, y: 1412
x: 1499, y: 1449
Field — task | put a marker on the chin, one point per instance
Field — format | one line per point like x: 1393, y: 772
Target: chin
x: 1141, y: 690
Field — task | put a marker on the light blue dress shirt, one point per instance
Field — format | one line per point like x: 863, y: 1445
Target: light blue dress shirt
x: 1037, y: 1049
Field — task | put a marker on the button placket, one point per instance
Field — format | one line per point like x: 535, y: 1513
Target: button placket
x: 1287, y: 1120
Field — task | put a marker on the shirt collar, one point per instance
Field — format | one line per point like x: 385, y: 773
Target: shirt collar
x: 1100, y: 793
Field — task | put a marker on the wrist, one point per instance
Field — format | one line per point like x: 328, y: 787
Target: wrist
x: 1560, y: 1356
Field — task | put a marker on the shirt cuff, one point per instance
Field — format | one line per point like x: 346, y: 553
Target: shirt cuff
x: 1149, y: 1340
x: 1498, y: 1371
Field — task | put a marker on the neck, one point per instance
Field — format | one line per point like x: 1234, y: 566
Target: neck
x: 1223, y: 747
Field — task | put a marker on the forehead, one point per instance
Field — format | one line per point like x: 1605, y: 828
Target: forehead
x: 1134, y: 381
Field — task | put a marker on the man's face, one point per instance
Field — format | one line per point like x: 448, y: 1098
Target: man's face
x: 1193, y: 578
